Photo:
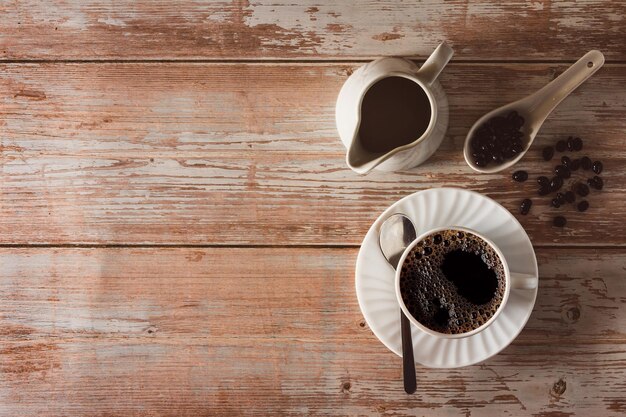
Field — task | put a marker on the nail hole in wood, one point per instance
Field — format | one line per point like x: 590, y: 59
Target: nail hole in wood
x: 558, y: 388
x: 573, y: 314
x: 345, y: 387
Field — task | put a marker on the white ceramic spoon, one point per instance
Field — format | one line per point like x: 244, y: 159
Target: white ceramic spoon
x: 536, y: 107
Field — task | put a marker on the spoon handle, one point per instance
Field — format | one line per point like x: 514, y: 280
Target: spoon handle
x: 546, y: 99
x: 408, y: 362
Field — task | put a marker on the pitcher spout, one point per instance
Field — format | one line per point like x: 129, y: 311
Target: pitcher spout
x: 361, y: 160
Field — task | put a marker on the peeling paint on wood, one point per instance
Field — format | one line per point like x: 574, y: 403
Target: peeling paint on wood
x: 236, y: 153
x: 536, y: 30
x: 273, y: 330
x: 249, y: 154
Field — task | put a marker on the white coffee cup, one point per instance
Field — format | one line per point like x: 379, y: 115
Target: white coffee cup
x: 513, y: 280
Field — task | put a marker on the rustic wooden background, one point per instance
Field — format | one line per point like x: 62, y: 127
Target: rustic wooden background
x: 178, y: 229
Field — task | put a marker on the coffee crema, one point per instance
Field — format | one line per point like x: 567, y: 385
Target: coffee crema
x: 452, y: 281
x: 395, y: 111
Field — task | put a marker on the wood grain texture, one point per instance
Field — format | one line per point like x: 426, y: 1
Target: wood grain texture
x: 248, y: 154
x: 537, y: 30
x: 181, y: 331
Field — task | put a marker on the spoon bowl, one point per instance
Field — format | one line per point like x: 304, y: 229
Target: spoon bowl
x: 536, y: 108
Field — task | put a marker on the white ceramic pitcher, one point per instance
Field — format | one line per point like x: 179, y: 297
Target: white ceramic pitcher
x: 348, y: 111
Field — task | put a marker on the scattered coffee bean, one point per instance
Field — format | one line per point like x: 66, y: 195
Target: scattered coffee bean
x: 543, y: 181
x: 559, y: 221
x: 548, y: 153
x: 544, y: 189
x: 566, y: 161
x: 585, y: 162
x: 524, y: 208
x: 597, y: 167
x: 560, y: 146
x: 498, y: 139
x: 520, y: 176
x: 570, y: 197
x: 555, y: 203
x: 582, y: 205
x: 575, y: 165
x: 556, y: 183
x: 596, y: 182
x: 560, y: 197
x: 570, y: 143
x: 581, y: 189
x: 577, y: 144
x: 562, y: 171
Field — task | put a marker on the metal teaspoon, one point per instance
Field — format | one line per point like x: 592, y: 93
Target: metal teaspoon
x: 396, y: 233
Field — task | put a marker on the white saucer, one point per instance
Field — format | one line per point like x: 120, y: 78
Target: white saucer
x: 441, y: 207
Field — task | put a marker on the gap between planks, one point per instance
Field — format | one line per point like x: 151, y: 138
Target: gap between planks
x: 294, y: 61
x: 250, y: 246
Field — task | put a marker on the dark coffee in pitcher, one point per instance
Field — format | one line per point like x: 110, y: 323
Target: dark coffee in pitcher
x: 395, y: 111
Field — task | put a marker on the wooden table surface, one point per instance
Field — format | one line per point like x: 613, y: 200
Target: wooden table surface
x: 178, y: 228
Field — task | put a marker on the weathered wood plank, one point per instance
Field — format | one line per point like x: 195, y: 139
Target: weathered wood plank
x: 249, y: 154
x: 311, y: 29
x: 177, y: 331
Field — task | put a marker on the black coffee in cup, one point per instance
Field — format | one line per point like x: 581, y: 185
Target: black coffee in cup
x: 452, y: 281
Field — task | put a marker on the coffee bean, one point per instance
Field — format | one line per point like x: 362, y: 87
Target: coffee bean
x: 597, y: 167
x: 520, y: 176
x: 585, y: 162
x: 596, y: 182
x: 497, y: 140
x: 570, y: 197
x: 559, y: 221
x: 544, y: 189
x: 517, y: 148
x: 555, y: 203
x: 480, y: 162
x: 547, y: 153
x: 574, y: 165
x: 581, y: 189
x: 543, y: 181
x: 524, y: 208
x: 560, y: 197
x: 582, y: 205
x: 565, y: 161
x: 570, y: 143
x: 556, y: 183
x: 562, y: 171
x: 577, y: 144
x: 560, y: 146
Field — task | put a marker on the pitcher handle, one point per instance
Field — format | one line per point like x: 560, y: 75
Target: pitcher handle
x: 435, y: 63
